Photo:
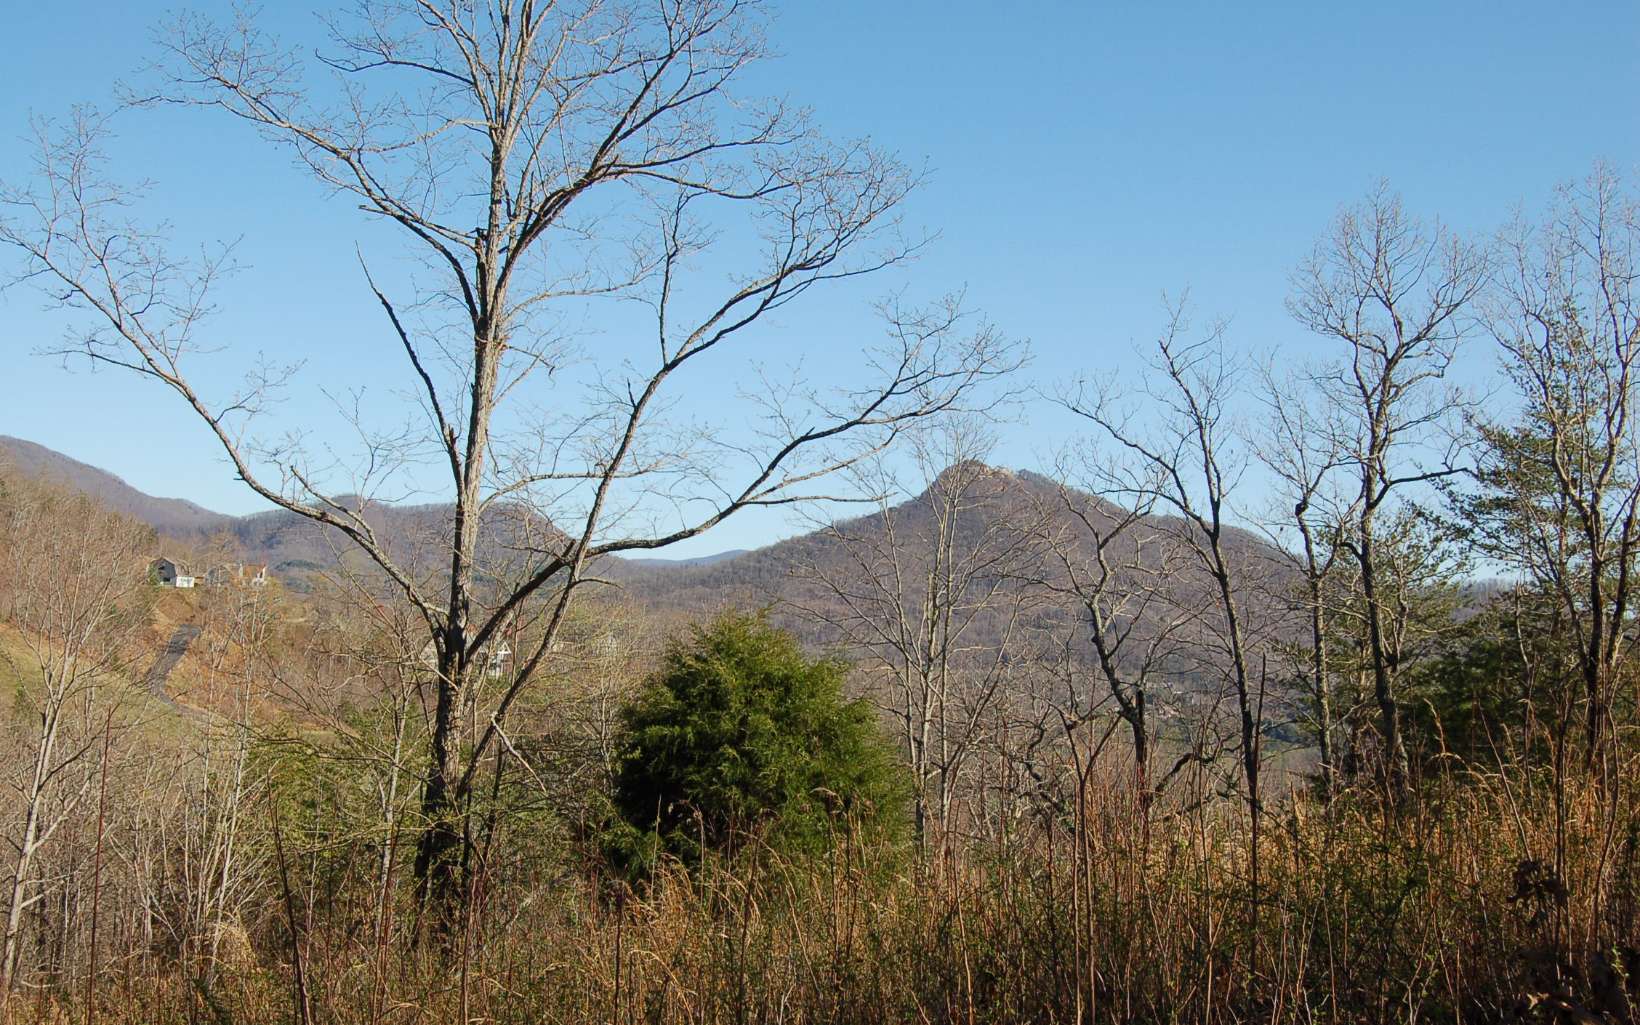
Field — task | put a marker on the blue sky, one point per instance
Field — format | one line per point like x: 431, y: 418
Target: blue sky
x: 1084, y: 158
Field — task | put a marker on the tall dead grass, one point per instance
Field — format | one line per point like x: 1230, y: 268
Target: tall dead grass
x: 1488, y: 898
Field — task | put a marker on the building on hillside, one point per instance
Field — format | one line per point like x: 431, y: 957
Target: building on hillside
x: 497, y: 660
x: 237, y: 574
x: 170, y: 573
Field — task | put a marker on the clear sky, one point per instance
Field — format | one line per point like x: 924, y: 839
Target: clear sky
x: 1084, y: 158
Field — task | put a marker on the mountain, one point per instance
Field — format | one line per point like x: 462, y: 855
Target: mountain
x: 982, y: 510
x: 290, y: 544
x: 699, y: 560
x: 173, y: 517
x: 784, y: 576
x: 858, y: 586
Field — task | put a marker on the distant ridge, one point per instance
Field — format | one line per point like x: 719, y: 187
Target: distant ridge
x: 173, y: 517
x: 777, y: 576
x: 290, y: 544
x: 699, y: 560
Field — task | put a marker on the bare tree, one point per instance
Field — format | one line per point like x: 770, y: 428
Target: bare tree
x: 1560, y: 488
x: 926, y: 590
x: 79, y: 572
x: 1299, y: 446
x: 1119, y: 567
x: 537, y: 155
x: 1399, y: 296
x: 1184, y: 459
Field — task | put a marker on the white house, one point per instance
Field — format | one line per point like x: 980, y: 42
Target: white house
x: 168, y: 573
x: 237, y: 574
x: 497, y: 660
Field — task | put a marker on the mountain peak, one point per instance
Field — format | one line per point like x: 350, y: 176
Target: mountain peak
x: 967, y: 472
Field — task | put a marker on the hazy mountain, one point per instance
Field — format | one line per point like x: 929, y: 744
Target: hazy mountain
x: 781, y: 575
x: 699, y: 560
x: 892, y: 546
x: 896, y: 543
x: 288, y: 543
x: 174, y: 517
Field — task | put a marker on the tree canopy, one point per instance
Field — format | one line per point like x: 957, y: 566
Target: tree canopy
x: 740, y: 733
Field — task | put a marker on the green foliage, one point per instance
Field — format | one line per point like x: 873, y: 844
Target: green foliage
x: 328, y: 789
x: 739, y: 732
x: 1476, y: 697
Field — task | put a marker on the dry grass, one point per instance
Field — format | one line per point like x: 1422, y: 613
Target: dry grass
x: 1365, y: 914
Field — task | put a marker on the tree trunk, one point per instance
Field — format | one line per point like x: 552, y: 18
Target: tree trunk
x: 1141, y: 758
x: 1396, y: 769
x: 1323, y: 693
x: 1593, y: 663
x: 438, y: 853
x: 11, y: 952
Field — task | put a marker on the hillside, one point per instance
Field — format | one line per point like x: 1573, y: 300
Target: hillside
x: 290, y: 545
x: 173, y: 517
x: 896, y: 543
x: 782, y: 577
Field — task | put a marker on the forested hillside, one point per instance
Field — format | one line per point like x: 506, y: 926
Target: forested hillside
x: 1274, y: 682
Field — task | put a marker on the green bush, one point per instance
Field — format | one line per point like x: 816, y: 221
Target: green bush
x: 740, y: 734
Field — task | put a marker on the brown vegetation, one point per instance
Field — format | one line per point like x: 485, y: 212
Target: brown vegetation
x: 391, y: 795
